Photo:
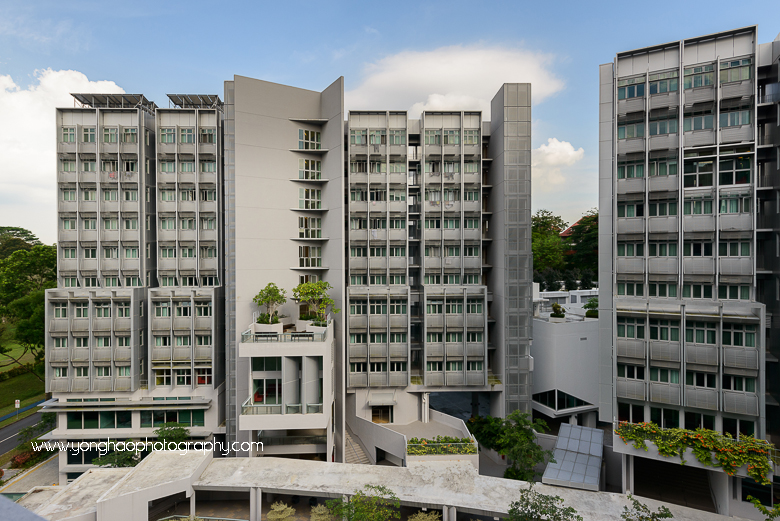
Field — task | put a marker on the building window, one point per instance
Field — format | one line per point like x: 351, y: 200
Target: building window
x: 738, y: 335
x: 68, y: 134
x: 378, y: 280
x: 129, y: 135
x: 102, y: 309
x: 357, y: 367
x: 433, y: 280
x: 60, y: 372
x: 433, y: 337
x: 208, y: 135
x: 661, y: 249
x: 700, y: 332
x: 734, y: 172
x: 397, y: 195
x: 630, y: 249
x: 433, y: 367
x: 699, y: 379
x: 89, y: 134
x: 67, y: 166
x: 663, y: 126
x: 310, y: 256
x: 68, y: 224
x: 309, y: 140
x: 309, y: 199
x: 110, y: 224
x: 630, y: 289
x: 659, y: 374
x: 454, y: 366
x: 701, y: 76
x: 697, y: 249
x: 81, y: 372
x: 736, y: 70
x: 183, y: 309
x: 454, y: 337
x: 451, y: 279
x: 734, y: 249
x: 68, y: 253
x: 630, y: 327
x: 630, y: 169
x: 433, y: 137
x: 728, y: 292
x: 697, y: 206
x: 162, y: 377
x: 267, y: 391
x: 700, y: 120
x: 358, y: 280
x: 60, y: 310
x: 631, y: 88
x: 203, y: 376
x: 203, y: 309
x: 631, y: 210
x: 187, y: 166
x: 662, y: 289
x: 453, y: 307
x: 377, y: 137
x: 663, y: 82
x: 434, y: 307
x: 208, y: 223
x: 662, y: 209
x: 397, y: 224
x: 358, y: 137
x: 739, y: 383
x: 662, y: 167
x: 209, y: 281
x: 110, y: 135
x: 735, y: 118
x: 631, y: 372
x: 697, y: 291
x: 183, y: 377
x: 631, y: 130
x: 167, y: 135
x: 397, y: 136
x: 103, y: 371
x: 471, y: 137
x: 188, y: 253
x: 208, y: 252
x: 378, y: 338
x: 309, y: 169
x: 398, y: 280
x: 187, y: 135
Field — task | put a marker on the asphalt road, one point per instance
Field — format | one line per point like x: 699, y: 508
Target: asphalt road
x: 9, y: 438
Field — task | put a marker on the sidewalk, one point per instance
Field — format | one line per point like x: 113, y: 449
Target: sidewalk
x: 45, y: 473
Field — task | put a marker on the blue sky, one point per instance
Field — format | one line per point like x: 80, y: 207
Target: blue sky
x: 388, y: 52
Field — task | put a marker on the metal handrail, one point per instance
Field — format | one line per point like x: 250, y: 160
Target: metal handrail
x: 249, y: 337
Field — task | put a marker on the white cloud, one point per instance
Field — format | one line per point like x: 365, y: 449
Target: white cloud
x: 28, y: 146
x: 549, y: 162
x: 456, y: 77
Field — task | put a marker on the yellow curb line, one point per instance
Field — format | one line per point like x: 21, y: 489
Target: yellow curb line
x: 27, y: 472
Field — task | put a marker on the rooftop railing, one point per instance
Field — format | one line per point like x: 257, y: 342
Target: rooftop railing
x: 249, y: 337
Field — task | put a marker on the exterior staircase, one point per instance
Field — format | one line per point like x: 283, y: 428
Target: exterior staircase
x: 353, y: 451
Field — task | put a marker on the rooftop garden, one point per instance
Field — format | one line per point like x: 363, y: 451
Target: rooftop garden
x: 709, y: 447
x: 440, y: 445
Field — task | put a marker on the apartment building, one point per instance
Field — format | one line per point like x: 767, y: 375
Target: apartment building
x: 135, y: 325
x: 688, y: 243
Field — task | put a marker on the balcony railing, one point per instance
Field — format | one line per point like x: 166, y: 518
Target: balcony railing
x: 249, y: 337
x: 250, y: 408
x: 293, y: 408
x: 293, y: 440
x: 314, y: 408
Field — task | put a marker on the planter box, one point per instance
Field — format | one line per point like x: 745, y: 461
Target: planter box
x: 268, y: 328
x: 558, y: 320
x: 316, y: 329
x: 302, y: 325
x: 471, y: 458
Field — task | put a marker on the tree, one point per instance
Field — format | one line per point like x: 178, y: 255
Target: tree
x: 25, y: 271
x: 552, y: 280
x: 271, y: 297
x: 19, y: 233
x: 372, y: 503
x: 431, y: 515
x: 771, y: 514
x: 27, y: 314
x: 320, y: 513
x: 569, y: 280
x: 547, y: 252
x: 586, y: 279
x: 584, y: 241
x: 640, y: 512
x: 539, y: 279
x: 9, y: 244
x: 172, y: 433
x: 315, y: 296
x: 592, y: 307
x: 118, y: 458
x: 514, y: 437
x: 534, y: 506
x: 280, y: 512
x: 544, y: 222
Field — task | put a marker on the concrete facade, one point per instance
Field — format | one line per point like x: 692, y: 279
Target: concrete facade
x: 688, y: 275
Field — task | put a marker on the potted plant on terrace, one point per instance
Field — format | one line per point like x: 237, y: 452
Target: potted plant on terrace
x: 271, y: 297
x: 315, y: 296
x: 558, y: 313
x: 592, y: 308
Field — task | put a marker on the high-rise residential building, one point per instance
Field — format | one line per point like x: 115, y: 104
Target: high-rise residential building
x: 420, y: 226
x: 135, y: 327
x: 688, y: 243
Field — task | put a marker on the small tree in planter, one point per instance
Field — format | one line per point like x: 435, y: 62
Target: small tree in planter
x: 271, y: 297
x: 280, y: 512
x: 558, y: 311
x: 592, y: 308
x: 315, y: 296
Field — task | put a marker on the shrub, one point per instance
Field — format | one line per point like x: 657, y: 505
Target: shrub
x: 431, y: 515
x: 263, y: 319
x: 558, y: 311
x: 320, y: 513
x: 440, y: 445
x: 280, y: 512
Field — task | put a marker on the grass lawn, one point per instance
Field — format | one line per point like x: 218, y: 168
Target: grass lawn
x: 25, y: 387
x: 16, y: 351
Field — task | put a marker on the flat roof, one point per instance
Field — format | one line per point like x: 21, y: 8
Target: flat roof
x: 80, y: 497
x: 643, y: 50
x: 114, y: 101
x: 157, y: 469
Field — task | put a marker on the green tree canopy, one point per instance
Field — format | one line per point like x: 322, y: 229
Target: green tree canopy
x: 19, y: 233
x: 315, y: 296
x: 584, y: 241
x: 547, y: 252
x: 534, y: 506
x: 544, y: 222
x: 172, y: 433
x: 118, y: 458
x: 25, y: 271
x: 372, y: 503
x: 271, y: 297
x: 641, y: 512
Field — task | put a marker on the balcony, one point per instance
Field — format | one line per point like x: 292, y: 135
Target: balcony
x: 475, y: 349
x: 631, y: 389
x: 736, y: 266
x: 661, y: 392
x: 664, y: 351
x: 182, y: 323
x: 736, y: 222
x: 434, y: 349
x: 80, y: 354
x: 101, y: 383
x: 398, y: 350
x: 122, y: 383
x: 434, y: 321
x: 737, y: 402
x: 736, y: 134
x: 662, y: 265
x: 101, y: 354
x: 631, y: 146
x: 737, y: 89
x: 296, y: 337
x: 630, y: 265
x: 701, y: 398
x: 666, y: 100
x: 436, y: 379
x: 432, y: 263
x: 631, y: 348
x: 699, y: 94
x: 626, y: 106
x: 630, y: 225
x: 703, y: 354
x: 475, y: 378
x: 664, y: 142
x: 699, y: 223
x: 122, y: 354
x: 699, y: 138
x: 358, y: 351
x: 454, y: 349
x: 377, y: 350
x: 698, y: 266
x: 58, y: 355
x: 252, y: 409
x: 161, y: 353
x: 358, y: 380
x: 399, y: 379
x: 182, y: 353
x: 377, y: 379
x: 741, y: 357
x: 631, y: 186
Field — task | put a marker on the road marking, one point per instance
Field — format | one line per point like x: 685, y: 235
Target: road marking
x: 9, y: 437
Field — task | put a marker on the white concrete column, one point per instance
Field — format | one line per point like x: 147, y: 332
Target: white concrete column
x: 573, y: 419
x: 631, y: 474
x: 453, y: 514
x: 192, y: 504
x: 623, y: 474
x: 444, y: 513
x: 255, y: 503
